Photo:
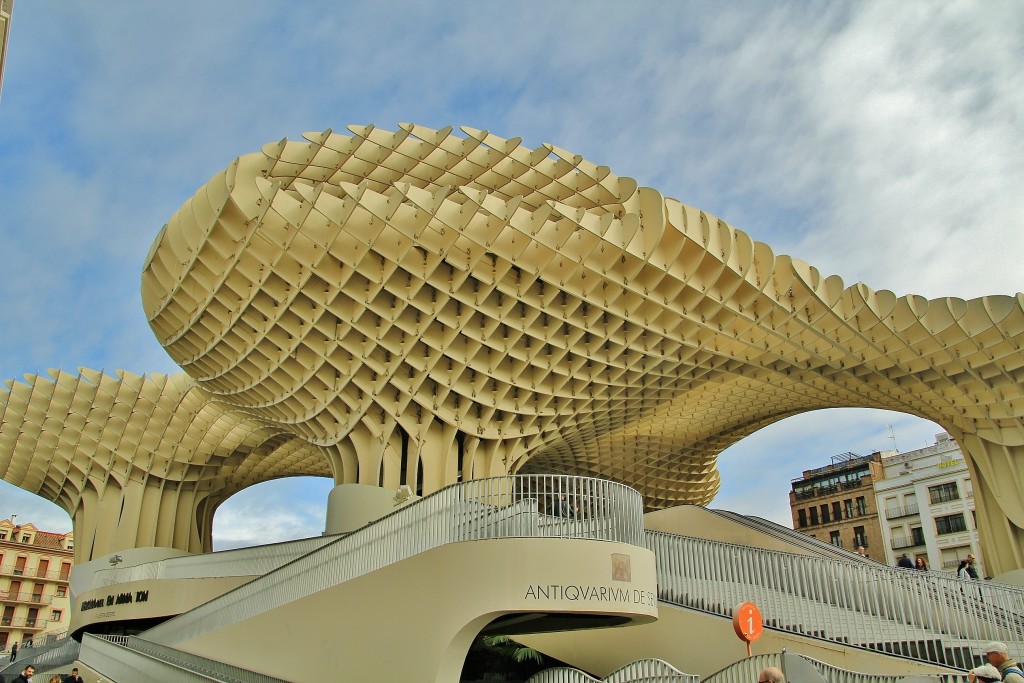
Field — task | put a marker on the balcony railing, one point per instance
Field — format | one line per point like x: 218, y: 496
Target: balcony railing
x: 905, y: 542
x: 52, y: 575
x: 25, y: 623
x: 903, y: 511
x: 26, y: 596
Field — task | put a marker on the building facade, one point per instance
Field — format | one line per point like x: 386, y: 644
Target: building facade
x: 35, y: 567
x: 836, y: 503
x: 926, y: 500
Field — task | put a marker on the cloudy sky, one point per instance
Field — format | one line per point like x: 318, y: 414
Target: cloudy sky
x: 880, y: 141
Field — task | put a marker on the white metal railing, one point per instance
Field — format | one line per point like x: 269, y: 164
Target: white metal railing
x: 532, y: 506
x: 49, y: 655
x: 746, y: 670
x: 253, y: 561
x: 929, y: 616
x: 134, y: 659
x: 641, y: 671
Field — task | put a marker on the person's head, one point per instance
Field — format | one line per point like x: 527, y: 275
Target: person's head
x: 55, y: 679
x: 970, y: 559
x: 919, y: 562
x: 860, y: 549
x: 28, y: 670
x: 771, y: 675
x: 74, y: 671
x: 996, y: 652
x: 986, y: 673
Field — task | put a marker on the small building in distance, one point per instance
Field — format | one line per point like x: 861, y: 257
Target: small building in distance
x: 927, y: 505
x: 836, y: 503
x: 35, y: 567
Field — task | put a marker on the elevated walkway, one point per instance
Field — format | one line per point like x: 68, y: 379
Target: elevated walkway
x: 846, y: 610
x: 501, y: 553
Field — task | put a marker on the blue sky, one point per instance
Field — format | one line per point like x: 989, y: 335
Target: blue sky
x: 878, y: 141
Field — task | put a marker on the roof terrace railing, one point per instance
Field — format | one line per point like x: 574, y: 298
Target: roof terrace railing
x: 530, y: 506
x: 928, y: 616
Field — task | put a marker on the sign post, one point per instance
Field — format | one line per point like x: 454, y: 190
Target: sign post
x: 747, y: 622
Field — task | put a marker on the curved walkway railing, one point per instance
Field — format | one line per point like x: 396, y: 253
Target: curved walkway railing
x: 532, y: 506
x: 55, y: 653
x: 929, y: 616
x: 642, y: 671
x: 253, y: 561
x: 134, y: 659
x: 746, y: 670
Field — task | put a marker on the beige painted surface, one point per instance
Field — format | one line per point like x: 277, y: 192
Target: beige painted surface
x: 701, y: 644
x: 163, y: 597
x: 695, y: 521
x: 414, y: 621
x: 351, y: 506
x: 416, y: 307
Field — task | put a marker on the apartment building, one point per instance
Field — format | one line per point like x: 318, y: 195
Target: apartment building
x: 927, y: 506
x: 836, y: 503
x: 34, y: 569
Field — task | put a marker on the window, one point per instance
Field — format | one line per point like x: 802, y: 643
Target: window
x: 944, y: 492
x: 62, y: 591
x: 3, y: 535
x: 56, y: 615
x: 837, y: 511
x: 834, y: 539
x: 862, y: 506
x: 802, y: 516
x: 950, y: 524
x: 917, y: 535
x: 814, y: 516
x: 848, y: 507
x: 824, y: 515
x: 24, y: 539
x: 859, y: 538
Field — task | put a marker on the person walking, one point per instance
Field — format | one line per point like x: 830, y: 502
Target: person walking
x: 26, y: 675
x: 998, y: 655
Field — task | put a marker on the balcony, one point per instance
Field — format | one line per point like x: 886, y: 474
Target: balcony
x: 905, y: 542
x: 24, y: 623
x: 53, y: 575
x: 28, y: 597
x: 904, y: 511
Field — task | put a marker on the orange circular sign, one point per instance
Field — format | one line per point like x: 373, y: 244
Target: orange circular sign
x: 747, y: 621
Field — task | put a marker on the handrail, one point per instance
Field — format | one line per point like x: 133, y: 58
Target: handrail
x: 138, y: 659
x: 928, y: 616
x: 746, y: 670
x: 521, y: 506
x: 47, y: 656
x: 252, y: 561
x: 641, y: 671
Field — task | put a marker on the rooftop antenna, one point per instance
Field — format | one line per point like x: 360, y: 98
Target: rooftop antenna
x: 892, y: 436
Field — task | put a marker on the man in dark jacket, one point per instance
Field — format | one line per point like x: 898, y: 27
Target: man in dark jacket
x: 25, y: 676
x: 73, y: 677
